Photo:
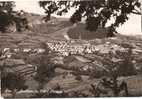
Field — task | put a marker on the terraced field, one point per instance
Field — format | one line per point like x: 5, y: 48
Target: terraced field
x: 21, y: 51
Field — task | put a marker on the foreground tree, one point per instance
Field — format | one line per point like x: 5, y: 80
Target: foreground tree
x: 45, y: 71
x: 9, y: 17
x: 96, y: 12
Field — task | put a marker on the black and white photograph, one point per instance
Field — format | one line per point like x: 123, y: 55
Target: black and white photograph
x: 70, y: 48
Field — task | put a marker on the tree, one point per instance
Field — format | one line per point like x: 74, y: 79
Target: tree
x: 96, y: 12
x: 10, y: 17
x: 45, y: 71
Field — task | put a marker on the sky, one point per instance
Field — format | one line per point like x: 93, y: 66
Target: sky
x: 131, y: 27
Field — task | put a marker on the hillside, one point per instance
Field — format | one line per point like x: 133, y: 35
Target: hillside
x: 80, y: 61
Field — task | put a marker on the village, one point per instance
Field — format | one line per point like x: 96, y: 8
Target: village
x: 48, y: 51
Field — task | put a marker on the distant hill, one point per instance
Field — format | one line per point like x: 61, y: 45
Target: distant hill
x: 59, y: 27
x: 80, y: 32
x: 38, y: 25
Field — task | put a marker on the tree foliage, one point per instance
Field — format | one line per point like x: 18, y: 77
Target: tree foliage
x: 45, y: 70
x: 96, y: 12
x: 10, y: 17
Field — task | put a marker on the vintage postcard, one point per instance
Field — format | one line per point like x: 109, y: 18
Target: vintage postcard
x: 70, y: 48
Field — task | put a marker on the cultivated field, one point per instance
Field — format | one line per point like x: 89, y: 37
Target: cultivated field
x: 80, y: 63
